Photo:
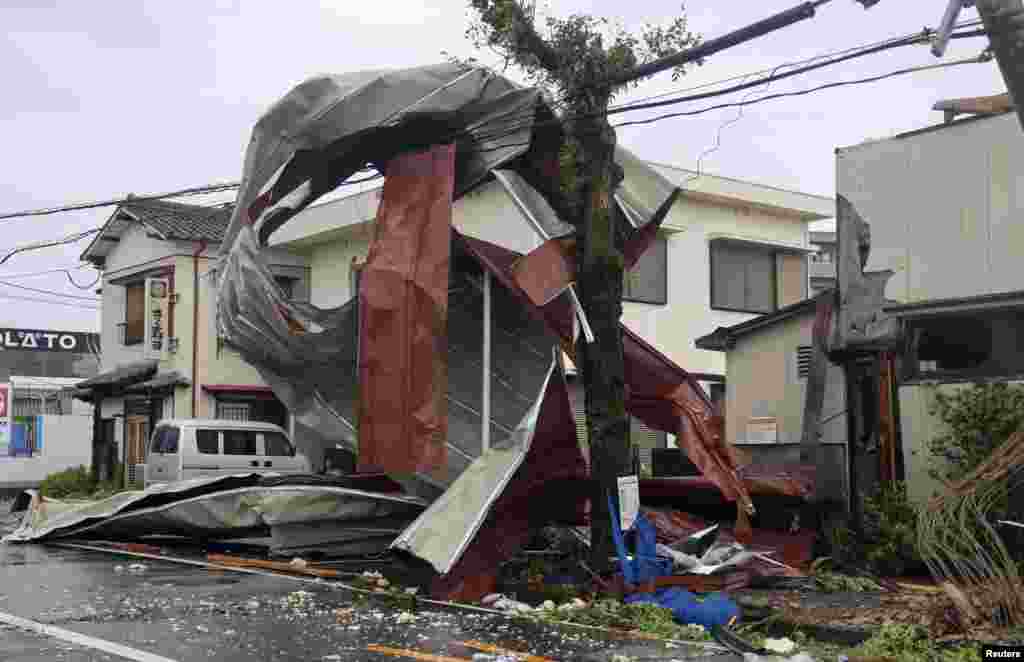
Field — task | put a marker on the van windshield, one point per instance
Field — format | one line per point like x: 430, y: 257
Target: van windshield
x: 165, y: 440
x: 278, y: 445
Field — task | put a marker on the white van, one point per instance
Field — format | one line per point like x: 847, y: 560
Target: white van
x: 193, y: 448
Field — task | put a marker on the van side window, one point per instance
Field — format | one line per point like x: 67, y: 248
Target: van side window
x: 239, y: 442
x: 207, y: 442
x: 169, y: 443
x: 277, y: 445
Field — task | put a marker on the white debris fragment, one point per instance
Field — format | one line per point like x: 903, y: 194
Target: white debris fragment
x: 252, y: 604
x: 137, y: 568
x: 406, y: 617
x: 299, y: 563
x: 119, y: 569
x: 371, y: 574
x: 412, y: 590
x: 202, y: 628
x: 491, y: 599
x: 784, y: 645
x: 548, y: 605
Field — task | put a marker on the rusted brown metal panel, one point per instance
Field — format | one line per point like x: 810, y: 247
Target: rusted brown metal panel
x: 887, y: 438
x: 403, y: 318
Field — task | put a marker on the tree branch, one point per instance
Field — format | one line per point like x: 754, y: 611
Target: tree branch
x: 507, y: 20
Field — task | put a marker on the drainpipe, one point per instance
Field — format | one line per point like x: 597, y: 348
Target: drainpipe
x: 195, y: 324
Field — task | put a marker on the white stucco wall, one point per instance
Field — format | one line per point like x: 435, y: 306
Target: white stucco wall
x: 67, y: 442
x: 334, y: 234
x: 940, y: 199
x: 691, y: 226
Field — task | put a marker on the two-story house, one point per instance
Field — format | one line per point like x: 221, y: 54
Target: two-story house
x: 161, y: 356
x: 728, y: 251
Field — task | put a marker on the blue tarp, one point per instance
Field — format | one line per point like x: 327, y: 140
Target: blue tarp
x: 714, y: 610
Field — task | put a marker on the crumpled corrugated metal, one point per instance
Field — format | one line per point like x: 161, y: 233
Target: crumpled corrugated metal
x: 403, y: 299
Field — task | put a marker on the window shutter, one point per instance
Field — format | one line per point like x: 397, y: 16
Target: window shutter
x: 135, y: 313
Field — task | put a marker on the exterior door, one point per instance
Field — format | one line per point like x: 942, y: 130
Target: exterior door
x: 243, y: 452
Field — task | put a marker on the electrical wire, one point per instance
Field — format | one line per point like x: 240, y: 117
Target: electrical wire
x: 70, y: 304
x: 32, y: 274
x: 70, y: 239
x: 907, y: 41
x: 819, y: 88
x: 524, y: 119
x: 39, y: 290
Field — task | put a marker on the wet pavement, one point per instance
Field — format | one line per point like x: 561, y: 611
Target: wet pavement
x: 189, y: 613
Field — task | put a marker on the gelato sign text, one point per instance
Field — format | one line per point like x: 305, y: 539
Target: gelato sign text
x: 47, y: 341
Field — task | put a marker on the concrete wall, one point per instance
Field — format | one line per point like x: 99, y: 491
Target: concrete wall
x: 67, y: 442
x: 939, y: 199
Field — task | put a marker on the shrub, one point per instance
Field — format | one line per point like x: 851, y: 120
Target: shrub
x: 72, y: 482
x: 890, y: 529
x: 80, y: 483
x: 978, y: 419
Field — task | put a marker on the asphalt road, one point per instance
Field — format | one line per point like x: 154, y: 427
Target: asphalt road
x: 167, y: 611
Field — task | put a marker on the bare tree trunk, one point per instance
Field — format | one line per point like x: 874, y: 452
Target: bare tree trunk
x: 600, y: 265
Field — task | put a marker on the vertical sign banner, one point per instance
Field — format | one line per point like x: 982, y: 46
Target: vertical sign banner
x: 5, y: 427
x: 156, y: 316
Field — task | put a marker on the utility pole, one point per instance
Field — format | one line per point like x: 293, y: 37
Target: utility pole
x: 575, y: 60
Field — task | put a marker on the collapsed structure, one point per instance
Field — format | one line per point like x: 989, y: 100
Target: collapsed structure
x: 395, y: 374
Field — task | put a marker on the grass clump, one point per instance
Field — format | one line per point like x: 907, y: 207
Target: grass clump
x: 637, y: 617
x: 909, y: 643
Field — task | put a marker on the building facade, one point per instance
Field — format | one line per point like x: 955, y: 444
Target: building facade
x: 953, y: 241
x: 42, y: 429
x: 161, y: 354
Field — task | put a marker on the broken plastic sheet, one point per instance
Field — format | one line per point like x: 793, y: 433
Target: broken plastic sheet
x: 201, y: 511
x: 451, y: 524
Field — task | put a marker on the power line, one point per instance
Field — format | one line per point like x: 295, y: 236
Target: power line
x: 70, y: 304
x: 819, y: 88
x: 70, y: 239
x: 770, y: 97
x: 524, y: 118
x: 32, y: 274
x: 39, y: 290
x: 195, y: 190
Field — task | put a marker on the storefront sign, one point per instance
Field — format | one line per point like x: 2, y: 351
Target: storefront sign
x: 48, y: 341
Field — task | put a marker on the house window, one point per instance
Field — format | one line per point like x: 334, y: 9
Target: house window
x: 752, y: 278
x: 233, y: 411
x: 647, y: 281
x: 135, y: 313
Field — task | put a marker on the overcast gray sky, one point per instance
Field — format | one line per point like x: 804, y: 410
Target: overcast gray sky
x: 150, y: 96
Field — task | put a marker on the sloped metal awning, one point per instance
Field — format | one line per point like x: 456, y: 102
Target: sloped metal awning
x: 164, y: 380
x: 112, y: 381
